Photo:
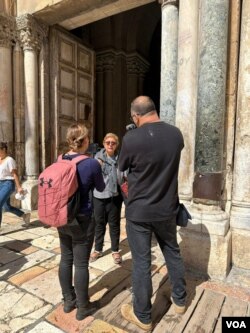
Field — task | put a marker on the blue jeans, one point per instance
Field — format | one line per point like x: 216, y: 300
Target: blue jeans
x: 7, y: 187
x: 76, y: 241
x: 139, y: 238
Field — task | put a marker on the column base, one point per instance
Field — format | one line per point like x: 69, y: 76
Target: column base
x: 240, y: 248
x: 240, y: 225
x: 240, y: 216
x: 206, y: 242
x: 31, y: 199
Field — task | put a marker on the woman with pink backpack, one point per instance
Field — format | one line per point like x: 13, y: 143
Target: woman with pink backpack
x: 76, y: 238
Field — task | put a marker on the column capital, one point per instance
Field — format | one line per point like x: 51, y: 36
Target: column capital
x: 7, y: 30
x: 30, y: 32
x: 105, y: 61
x: 169, y: 2
x: 136, y: 64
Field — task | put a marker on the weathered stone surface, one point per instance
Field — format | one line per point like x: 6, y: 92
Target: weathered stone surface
x: 67, y: 321
x: 18, y: 310
x: 24, y: 263
x: 51, y: 263
x: 186, y: 102
x: 241, y: 248
x: 27, y: 275
x: 8, y: 255
x: 211, y: 85
x: 51, y: 242
x: 206, y: 254
x: 21, y: 247
x: 43, y: 231
x: 169, y: 47
x: 23, y: 235
x: 40, y: 286
x: 45, y: 327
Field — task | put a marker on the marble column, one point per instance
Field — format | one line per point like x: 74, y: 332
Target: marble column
x: 186, y: 102
x: 211, y: 100
x: 6, y: 103
x: 18, y: 96
x: 209, y: 228
x: 31, y: 35
x: 240, y: 214
x: 231, y: 101
x: 169, y: 41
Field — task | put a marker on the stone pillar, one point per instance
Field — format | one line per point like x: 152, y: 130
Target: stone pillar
x: 209, y: 228
x: 240, y: 214
x: 231, y: 101
x: 45, y: 119
x: 18, y: 96
x: 137, y: 68
x: 211, y: 100
x: 31, y: 34
x: 105, y: 62
x: 186, y: 102
x: 169, y: 41
x: 6, y: 104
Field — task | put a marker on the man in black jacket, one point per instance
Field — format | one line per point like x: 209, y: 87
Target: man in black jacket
x: 152, y: 152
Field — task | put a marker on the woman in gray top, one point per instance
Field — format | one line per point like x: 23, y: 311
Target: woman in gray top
x: 107, y: 204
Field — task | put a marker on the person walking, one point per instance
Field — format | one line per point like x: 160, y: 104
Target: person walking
x: 76, y: 238
x: 8, y: 181
x: 151, y: 152
x: 107, y: 204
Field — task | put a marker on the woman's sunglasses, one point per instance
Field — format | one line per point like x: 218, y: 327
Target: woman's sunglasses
x: 112, y: 143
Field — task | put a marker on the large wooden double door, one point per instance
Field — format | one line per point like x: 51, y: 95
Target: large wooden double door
x: 72, y: 85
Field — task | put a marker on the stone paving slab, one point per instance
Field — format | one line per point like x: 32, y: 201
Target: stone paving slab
x: 23, y: 235
x: 67, y: 321
x: 24, y: 263
x: 27, y: 275
x: 45, y: 286
x: 42, y: 231
x: 46, y: 242
x: 45, y: 327
x: 7, y: 256
x: 19, y: 309
x: 51, y: 263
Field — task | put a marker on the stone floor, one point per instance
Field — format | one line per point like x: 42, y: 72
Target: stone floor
x: 30, y: 297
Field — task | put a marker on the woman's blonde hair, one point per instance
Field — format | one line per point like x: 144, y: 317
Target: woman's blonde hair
x: 76, y: 134
x: 112, y: 135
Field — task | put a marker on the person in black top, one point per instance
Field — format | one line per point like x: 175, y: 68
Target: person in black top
x: 151, y: 152
x: 76, y: 238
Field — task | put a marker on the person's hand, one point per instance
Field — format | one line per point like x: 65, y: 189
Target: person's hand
x: 20, y: 190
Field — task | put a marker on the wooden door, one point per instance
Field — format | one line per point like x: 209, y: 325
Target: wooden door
x: 72, y: 85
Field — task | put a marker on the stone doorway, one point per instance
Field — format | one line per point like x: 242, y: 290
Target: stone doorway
x: 127, y: 63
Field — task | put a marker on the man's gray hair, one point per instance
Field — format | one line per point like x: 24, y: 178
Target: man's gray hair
x: 142, y: 105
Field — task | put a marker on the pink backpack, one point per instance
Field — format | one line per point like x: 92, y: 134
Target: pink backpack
x: 58, y: 198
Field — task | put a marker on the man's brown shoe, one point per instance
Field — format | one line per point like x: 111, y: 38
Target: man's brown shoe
x: 179, y: 309
x: 128, y: 313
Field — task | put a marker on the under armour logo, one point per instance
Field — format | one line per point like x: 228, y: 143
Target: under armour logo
x: 42, y: 181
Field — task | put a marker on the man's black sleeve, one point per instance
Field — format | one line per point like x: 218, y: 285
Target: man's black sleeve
x: 123, y: 161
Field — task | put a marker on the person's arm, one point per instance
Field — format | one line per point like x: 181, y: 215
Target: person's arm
x: 17, y: 182
x: 98, y: 178
x: 123, y: 161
